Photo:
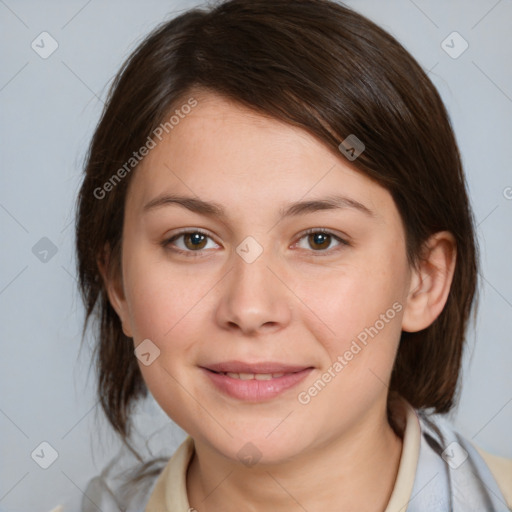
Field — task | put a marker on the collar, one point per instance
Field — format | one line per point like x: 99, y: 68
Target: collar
x: 170, y: 490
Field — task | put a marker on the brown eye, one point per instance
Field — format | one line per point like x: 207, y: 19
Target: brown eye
x: 194, y: 240
x: 190, y: 243
x: 319, y: 240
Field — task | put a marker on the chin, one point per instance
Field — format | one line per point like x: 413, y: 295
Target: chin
x: 256, y: 447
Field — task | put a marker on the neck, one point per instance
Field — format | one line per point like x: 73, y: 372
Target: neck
x: 354, y: 471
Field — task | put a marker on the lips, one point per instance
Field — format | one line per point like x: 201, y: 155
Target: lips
x: 254, y: 368
x: 255, y: 382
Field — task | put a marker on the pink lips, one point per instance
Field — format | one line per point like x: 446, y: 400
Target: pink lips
x: 264, y: 367
x: 252, y: 389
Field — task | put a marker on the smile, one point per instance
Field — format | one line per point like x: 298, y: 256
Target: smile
x: 250, y: 376
x: 255, y: 386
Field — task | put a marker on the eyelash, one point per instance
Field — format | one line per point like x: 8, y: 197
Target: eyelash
x: 197, y: 254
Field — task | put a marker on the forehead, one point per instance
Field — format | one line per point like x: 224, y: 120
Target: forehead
x: 224, y: 152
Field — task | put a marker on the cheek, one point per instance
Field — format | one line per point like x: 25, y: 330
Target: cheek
x: 358, y: 309
x: 354, y: 297
x: 359, y: 328
x: 161, y: 296
x: 167, y: 306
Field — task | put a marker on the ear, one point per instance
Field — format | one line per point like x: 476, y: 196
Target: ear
x: 113, y: 282
x: 430, y: 282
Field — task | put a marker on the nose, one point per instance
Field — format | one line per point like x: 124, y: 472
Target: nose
x: 254, y: 298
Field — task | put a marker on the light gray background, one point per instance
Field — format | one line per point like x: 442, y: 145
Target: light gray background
x: 49, y: 110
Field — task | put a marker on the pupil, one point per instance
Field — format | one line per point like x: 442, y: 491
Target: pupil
x: 194, y: 240
x: 319, y: 238
x: 197, y: 238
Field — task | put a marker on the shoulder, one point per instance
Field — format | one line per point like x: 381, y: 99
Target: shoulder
x: 473, y: 474
x: 122, y: 489
x: 501, y: 468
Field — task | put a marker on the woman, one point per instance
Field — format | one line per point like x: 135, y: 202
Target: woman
x: 275, y: 232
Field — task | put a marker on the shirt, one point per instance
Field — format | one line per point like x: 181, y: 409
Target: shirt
x: 439, y: 471
x: 415, y: 487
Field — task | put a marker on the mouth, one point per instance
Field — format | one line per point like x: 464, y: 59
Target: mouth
x: 264, y: 367
x: 255, y: 382
x: 251, y: 376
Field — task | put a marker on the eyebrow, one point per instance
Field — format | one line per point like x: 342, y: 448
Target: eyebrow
x: 213, y: 209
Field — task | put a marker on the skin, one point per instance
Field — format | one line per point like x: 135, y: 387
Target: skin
x: 295, y: 304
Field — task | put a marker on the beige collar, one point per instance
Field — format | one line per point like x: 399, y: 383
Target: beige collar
x: 170, y: 491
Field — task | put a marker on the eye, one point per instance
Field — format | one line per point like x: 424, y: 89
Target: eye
x: 194, y: 241
x: 320, y: 240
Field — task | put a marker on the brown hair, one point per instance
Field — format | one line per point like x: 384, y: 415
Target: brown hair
x: 317, y: 65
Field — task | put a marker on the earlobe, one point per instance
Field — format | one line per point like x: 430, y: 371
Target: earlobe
x: 430, y: 282
x: 114, y: 288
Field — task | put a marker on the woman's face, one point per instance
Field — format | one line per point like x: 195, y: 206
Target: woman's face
x: 254, y: 289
